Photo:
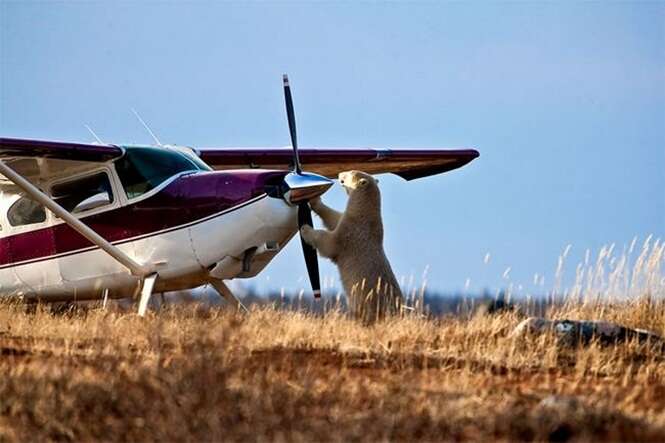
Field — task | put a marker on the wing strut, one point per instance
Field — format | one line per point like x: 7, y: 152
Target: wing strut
x: 76, y: 224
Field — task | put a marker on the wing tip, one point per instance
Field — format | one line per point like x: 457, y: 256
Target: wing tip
x: 468, y: 156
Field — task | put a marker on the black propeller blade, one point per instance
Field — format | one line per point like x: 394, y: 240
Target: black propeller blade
x: 311, y: 259
x: 304, y: 211
x: 292, y: 123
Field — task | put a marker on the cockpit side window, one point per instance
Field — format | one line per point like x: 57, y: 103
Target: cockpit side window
x: 26, y: 211
x: 83, y: 193
x: 143, y: 169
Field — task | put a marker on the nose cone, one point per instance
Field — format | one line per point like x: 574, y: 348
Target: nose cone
x: 305, y: 186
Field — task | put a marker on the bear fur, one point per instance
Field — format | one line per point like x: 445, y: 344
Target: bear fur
x: 354, y: 242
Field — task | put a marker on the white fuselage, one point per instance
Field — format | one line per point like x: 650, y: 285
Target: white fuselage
x: 183, y: 256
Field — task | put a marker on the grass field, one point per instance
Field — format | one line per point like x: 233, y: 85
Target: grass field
x: 189, y: 373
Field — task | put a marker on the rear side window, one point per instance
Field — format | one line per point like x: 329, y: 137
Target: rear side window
x: 84, y: 193
x: 26, y: 211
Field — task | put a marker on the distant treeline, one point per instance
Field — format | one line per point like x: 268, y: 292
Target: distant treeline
x: 428, y: 303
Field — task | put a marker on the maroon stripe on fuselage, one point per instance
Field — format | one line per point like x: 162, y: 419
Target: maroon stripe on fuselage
x: 186, y: 200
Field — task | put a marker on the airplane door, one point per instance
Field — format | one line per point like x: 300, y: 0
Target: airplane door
x: 90, y: 197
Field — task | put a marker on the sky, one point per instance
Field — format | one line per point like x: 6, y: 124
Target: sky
x: 565, y: 101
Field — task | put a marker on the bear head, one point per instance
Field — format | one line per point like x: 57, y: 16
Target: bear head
x: 357, y: 181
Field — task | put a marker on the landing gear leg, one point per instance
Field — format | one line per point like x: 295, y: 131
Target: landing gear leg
x: 146, y: 292
x: 224, y: 291
x: 105, y: 298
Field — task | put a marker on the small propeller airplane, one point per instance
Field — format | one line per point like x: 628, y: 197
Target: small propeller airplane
x: 132, y: 220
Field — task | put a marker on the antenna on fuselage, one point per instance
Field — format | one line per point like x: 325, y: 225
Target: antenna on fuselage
x: 99, y: 140
x: 145, y: 125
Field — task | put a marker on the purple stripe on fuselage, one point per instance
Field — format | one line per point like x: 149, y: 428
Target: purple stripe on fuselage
x: 184, y: 201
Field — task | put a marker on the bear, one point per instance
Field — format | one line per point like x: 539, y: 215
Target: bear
x: 354, y: 242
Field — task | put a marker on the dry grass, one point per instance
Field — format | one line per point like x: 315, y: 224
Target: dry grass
x: 187, y: 373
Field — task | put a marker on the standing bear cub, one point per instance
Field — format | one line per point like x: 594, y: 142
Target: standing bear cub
x: 354, y: 241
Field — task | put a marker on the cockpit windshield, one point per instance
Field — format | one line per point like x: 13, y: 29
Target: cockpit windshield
x: 144, y: 168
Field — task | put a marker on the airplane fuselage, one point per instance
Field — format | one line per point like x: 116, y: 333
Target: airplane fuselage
x: 185, y: 226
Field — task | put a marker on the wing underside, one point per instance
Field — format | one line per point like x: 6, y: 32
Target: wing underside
x: 15, y: 147
x: 39, y: 160
x: 407, y: 163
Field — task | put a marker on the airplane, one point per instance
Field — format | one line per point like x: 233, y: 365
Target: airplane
x: 98, y: 221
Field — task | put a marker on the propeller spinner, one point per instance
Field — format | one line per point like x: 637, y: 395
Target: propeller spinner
x: 303, y: 186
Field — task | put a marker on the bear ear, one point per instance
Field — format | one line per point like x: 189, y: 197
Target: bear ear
x: 376, y: 180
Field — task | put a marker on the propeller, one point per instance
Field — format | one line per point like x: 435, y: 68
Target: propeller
x: 291, y: 116
x: 303, y: 186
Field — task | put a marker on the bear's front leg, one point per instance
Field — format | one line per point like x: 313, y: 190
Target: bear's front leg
x: 323, y: 241
x: 328, y: 215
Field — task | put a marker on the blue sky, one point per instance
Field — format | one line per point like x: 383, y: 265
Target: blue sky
x: 565, y: 102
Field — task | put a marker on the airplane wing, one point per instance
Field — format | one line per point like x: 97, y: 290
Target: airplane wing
x: 15, y: 147
x: 407, y: 163
x: 40, y: 159
x: 31, y: 160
